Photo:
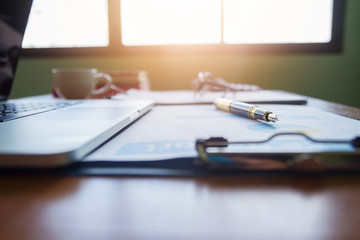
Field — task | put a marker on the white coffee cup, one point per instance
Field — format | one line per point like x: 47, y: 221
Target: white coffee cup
x: 80, y: 83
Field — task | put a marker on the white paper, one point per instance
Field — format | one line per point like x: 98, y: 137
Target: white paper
x: 171, y: 131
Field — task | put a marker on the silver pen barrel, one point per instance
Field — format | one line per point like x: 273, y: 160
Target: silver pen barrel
x: 246, y: 110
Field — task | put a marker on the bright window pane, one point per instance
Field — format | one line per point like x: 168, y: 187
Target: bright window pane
x: 67, y: 23
x: 155, y: 22
x: 277, y: 21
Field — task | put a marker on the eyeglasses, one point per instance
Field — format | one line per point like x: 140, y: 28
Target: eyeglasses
x: 207, y: 82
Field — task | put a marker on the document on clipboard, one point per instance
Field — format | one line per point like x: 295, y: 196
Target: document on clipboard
x: 170, y: 132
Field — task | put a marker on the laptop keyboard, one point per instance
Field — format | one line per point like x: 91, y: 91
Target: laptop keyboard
x: 11, y: 111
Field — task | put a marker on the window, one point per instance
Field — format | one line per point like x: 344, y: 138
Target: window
x: 164, y: 22
x: 67, y: 23
x: 277, y: 21
x: 129, y: 26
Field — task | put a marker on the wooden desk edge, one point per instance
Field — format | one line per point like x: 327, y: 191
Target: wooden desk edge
x: 337, y: 108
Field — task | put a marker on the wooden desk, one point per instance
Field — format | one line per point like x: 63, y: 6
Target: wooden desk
x: 38, y: 207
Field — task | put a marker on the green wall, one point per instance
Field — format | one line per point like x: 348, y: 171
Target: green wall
x: 333, y: 77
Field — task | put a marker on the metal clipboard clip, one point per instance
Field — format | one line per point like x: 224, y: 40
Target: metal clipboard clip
x: 213, y: 155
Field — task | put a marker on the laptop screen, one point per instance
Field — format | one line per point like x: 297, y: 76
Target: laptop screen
x: 13, y: 18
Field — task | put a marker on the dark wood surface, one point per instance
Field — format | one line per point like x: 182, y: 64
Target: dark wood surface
x: 255, y: 207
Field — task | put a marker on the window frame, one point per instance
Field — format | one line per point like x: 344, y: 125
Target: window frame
x: 115, y: 46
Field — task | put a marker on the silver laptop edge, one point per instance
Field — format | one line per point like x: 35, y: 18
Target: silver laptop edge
x: 36, y: 158
x: 58, y: 137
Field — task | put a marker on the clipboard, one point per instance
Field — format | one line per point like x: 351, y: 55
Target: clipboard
x: 212, y: 160
x: 213, y: 155
x: 163, y: 143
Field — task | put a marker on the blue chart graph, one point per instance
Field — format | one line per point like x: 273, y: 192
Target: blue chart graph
x: 156, y: 147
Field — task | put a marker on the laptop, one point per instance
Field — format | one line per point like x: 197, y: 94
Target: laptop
x: 43, y: 131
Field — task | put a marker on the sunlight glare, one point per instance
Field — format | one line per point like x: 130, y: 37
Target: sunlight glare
x: 67, y: 23
x: 155, y: 22
x: 277, y: 21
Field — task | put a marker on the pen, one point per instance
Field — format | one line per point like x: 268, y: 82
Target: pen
x: 245, y: 110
